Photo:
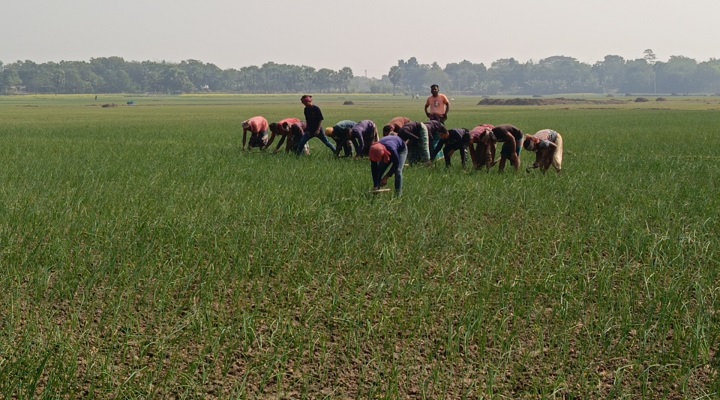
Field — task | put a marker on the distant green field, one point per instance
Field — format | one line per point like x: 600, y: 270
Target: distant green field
x: 143, y: 254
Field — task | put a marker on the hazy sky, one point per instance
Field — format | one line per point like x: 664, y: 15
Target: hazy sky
x: 369, y: 36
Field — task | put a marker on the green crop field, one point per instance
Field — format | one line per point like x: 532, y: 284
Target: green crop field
x: 144, y: 255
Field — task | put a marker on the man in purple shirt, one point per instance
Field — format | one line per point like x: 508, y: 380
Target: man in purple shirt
x: 388, y: 154
x: 313, y: 118
x: 416, y: 134
x: 363, y: 135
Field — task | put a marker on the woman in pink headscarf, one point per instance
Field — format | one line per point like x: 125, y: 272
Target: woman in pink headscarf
x: 388, y: 154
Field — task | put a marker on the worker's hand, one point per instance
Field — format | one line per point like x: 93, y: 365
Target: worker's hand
x: 384, y: 181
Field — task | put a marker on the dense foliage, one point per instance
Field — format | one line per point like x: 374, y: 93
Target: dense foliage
x: 552, y: 75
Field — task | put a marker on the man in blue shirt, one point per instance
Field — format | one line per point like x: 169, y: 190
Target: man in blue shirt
x: 388, y: 154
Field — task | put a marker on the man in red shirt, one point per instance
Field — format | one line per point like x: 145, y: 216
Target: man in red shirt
x: 282, y: 129
x: 482, y: 147
x: 394, y: 125
x: 258, y: 127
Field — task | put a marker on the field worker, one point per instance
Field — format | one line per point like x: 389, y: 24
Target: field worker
x: 282, y: 129
x: 258, y: 128
x: 292, y: 130
x: 388, y: 154
x: 341, y: 143
x: 363, y: 135
x: 437, y: 105
x: 313, y: 119
x: 482, y: 146
x: 394, y: 125
x: 511, y: 138
x: 453, y: 140
x: 435, y: 129
x: 415, y: 134
x: 297, y: 131
x: 548, y: 147
x: 341, y: 134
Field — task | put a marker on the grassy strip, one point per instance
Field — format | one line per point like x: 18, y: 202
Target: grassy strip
x: 143, y: 254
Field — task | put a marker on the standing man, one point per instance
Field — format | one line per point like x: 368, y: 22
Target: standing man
x: 313, y: 118
x: 437, y: 105
x: 258, y: 127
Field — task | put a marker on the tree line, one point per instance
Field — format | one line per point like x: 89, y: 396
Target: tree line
x: 552, y: 75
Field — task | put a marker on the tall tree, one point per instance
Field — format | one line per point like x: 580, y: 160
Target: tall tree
x: 250, y: 80
x: 649, y: 56
x: 324, y: 79
x: 395, y: 76
x: 610, y: 72
x: 197, y: 72
x: 437, y: 76
x: 676, y: 75
x: 73, y: 81
x: 651, y: 59
x: 10, y: 81
x: 707, y: 76
x: 466, y: 76
x: 175, y: 80
x: 343, y: 78
x: 639, y: 77
x: 413, y: 74
x: 510, y: 73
